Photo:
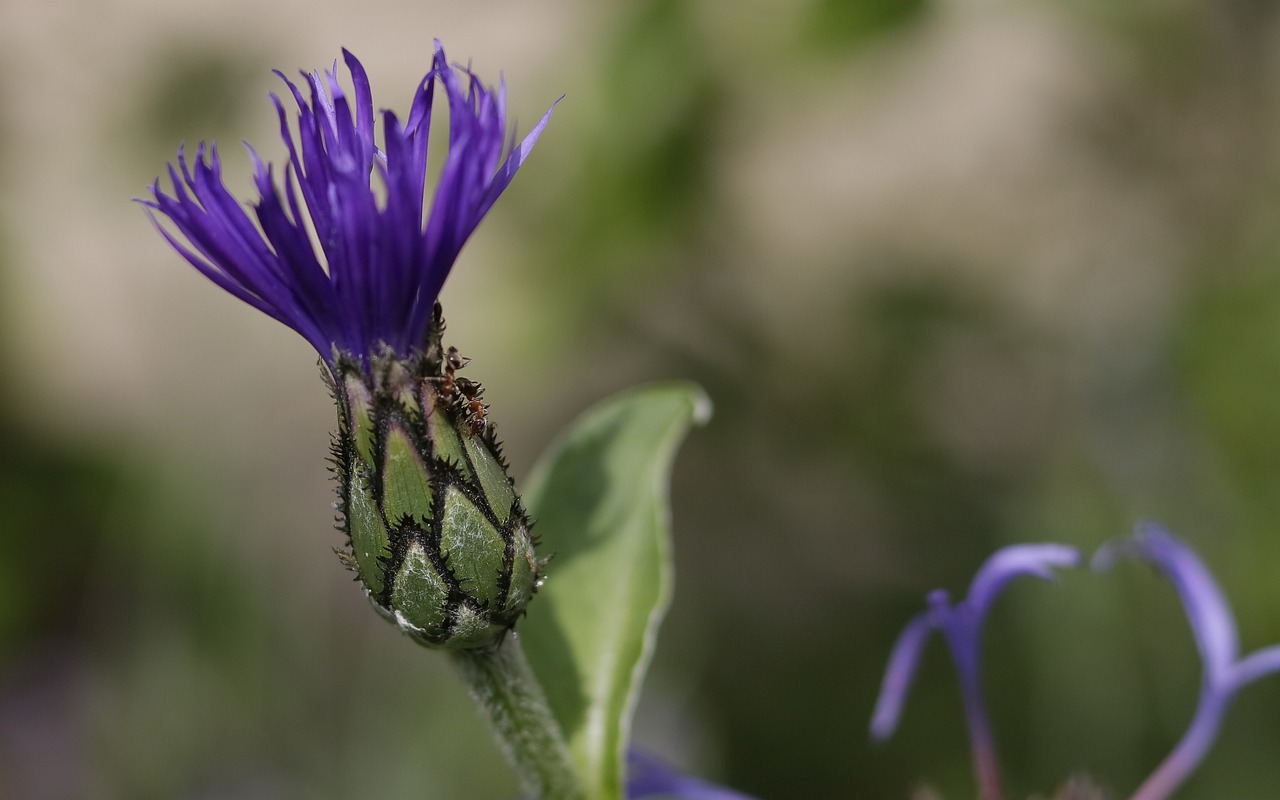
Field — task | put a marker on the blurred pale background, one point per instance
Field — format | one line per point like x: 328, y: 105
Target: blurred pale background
x: 956, y: 274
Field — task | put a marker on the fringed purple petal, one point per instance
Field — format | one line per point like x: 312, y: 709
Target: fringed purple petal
x: 210, y: 271
x: 470, y: 180
x: 515, y: 158
x: 379, y: 267
x: 364, y: 101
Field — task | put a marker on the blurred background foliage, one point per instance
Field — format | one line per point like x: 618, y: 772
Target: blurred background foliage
x: 955, y: 274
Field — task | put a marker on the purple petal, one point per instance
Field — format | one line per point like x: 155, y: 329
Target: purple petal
x: 1212, y: 623
x: 961, y: 625
x: 1256, y: 665
x: 1030, y: 560
x: 647, y: 777
x: 516, y: 158
x: 381, y: 263
x: 899, y: 675
x: 1214, y: 628
x: 1191, y: 749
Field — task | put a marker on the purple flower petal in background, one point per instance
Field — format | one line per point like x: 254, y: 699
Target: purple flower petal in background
x: 961, y: 626
x: 1214, y: 628
x: 650, y: 779
x: 380, y: 263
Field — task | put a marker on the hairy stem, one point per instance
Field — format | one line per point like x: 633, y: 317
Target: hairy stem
x: 513, y: 701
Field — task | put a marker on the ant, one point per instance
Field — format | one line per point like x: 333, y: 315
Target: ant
x: 477, y: 420
x: 463, y: 394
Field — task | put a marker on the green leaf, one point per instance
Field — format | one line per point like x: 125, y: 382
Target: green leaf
x: 600, y: 498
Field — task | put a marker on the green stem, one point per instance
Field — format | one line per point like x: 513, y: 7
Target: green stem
x: 505, y: 688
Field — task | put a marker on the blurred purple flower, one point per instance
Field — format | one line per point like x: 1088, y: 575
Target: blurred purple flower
x: 1214, y: 628
x: 381, y: 264
x: 647, y: 777
x: 961, y: 626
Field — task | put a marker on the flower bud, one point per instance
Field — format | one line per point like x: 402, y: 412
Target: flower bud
x: 436, y: 531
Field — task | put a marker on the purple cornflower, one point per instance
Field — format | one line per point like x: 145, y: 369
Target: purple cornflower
x: 380, y: 265
x: 961, y: 626
x: 1214, y: 628
x: 647, y: 777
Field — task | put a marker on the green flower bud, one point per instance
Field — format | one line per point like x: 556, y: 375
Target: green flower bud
x: 436, y: 531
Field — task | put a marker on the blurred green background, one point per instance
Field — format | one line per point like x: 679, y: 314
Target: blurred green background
x: 956, y: 275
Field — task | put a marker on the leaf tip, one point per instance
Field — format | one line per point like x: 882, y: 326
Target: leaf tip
x: 703, y: 408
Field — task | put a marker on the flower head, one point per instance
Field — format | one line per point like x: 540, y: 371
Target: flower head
x: 344, y: 249
x: 961, y: 625
x: 380, y: 264
x: 1214, y: 628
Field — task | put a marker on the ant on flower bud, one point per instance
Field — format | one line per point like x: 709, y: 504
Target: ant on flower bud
x: 477, y: 420
x: 462, y: 394
x: 470, y: 389
x: 453, y: 360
